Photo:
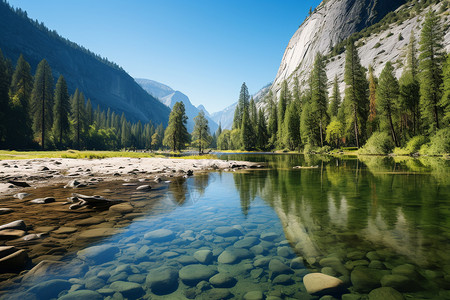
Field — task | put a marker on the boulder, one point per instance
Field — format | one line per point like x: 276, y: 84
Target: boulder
x: 204, y: 256
x: 254, y: 295
x: 160, y: 235
x: 19, y: 224
x: 227, y: 231
x: 43, y: 200
x: 277, y: 267
x: 82, y: 294
x: 130, y: 290
x: 144, y: 188
x: 49, y: 289
x: 318, y: 283
x: 385, y: 293
x: 222, y: 280
x: 163, y: 280
x: 283, y: 279
x: 364, y: 279
x: 399, y: 282
x: 11, y: 234
x: 98, y: 254
x: 12, y: 260
x: 123, y: 208
x: 193, y: 274
x: 233, y: 255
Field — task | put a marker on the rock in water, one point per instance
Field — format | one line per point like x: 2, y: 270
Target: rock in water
x: 222, y: 281
x: 144, y: 188
x: 204, y: 256
x: 21, y: 195
x: 50, y: 289
x: 385, y: 293
x: 364, y: 279
x: 227, y: 231
x: 316, y: 283
x: 193, y: 274
x: 82, y: 294
x: 130, y: 290
x: 43, y: 200
x: 19, y: 224
x: 163, y: 280
x: 160, y: 235
x: 12, y: 260
x: 102, y: 253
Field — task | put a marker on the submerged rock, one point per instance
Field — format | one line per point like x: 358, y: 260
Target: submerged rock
x: 254, y: 295
x: 316, y: 283
x: 227, y: 231
x: 204, y: 256
x: 102, y: 253
x: 364, y: 279
x: 222, y: 280
x: 193, y: 274
x: 50, y: 289
x: 82, y: 294
x: 385, y: 293
x: 12, y: 259
x: 163, y: 280
x: 130, y: 290
x: 160, y: 235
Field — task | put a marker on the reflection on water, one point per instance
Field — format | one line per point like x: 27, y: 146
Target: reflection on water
x: 386, y: 217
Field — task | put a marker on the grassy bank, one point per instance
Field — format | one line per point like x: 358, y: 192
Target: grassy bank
x: 71, y: 154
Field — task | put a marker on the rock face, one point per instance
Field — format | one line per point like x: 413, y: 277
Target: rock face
x: 332, y: 22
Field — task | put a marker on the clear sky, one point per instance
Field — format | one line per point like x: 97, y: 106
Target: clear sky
x: 203, y: 48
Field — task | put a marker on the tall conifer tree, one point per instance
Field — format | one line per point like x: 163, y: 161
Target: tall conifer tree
x: 319, y: 95
x: 61, y: 110
x: 42, y: 101
x: 201, y: 136
x: 78, y: 117
x: 176, y: 135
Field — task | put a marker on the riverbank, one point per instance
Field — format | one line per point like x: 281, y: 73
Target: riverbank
x: 18, y: 174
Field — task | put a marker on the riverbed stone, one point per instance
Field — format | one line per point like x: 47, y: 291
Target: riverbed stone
x: 82, y: 294
x: 218, y: 294
x: 268, y: 236
x: 186, y: 260
x: 49, y: 289
x: 283, y: 279
x: 399, y: 282
x: 257, y: 250
x: 65, y: 230
x: 246, y: 242
x: 11, y: 234
x: 94, y: 283
x: 130, y: 290
x: 204, y: 256
x: 43, y: 200
x: 254, y: 295
x: 284, y: 251
x: 144, y: 188
x: 160, y: 235
x: 334, y: 263
x: 12, y: 260
x: 227, y: 231
x: 96, y: 233
x: 365, y: 279
x: 90, y: 221
x: 233, y: 255
x: 407, y: 270
x: 163, y: 280
x: 4, y: 211
x: 261, y: 262
x: 222, y: 280
x: 385, y: 293
x: 98, y: 254
x: 193, y: 274
x: 277, y: 267
x: 21, y: 196
x: 316, y: 283
x: 297, y: 263
x: 122, y: 208
x: 19, y: 224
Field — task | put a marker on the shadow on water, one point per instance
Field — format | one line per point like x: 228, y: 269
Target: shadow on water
x: 355, y: 219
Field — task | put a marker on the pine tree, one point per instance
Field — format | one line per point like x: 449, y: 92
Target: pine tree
x: 201, y: 136
x: 247, y: 131
x: 253, y: 113
x: 319, y: 95
x: 335, y: 99
x: 356, y: 100
x: 273, y: 120
x: 219, y: 130
x: 20, y: 135
x: 430, y: 64
x: 176, y: 135
x: 89, y: 113
x: 445, y: 101
x: 387, y: 95
x: 61, y: 110
x: 5, y: 81
x: 78, y: 117
x: 262, y: 136
x: 285, y: 98
x: 125, y: 137
x: 372, y: 123
x: 291, y: 127
x: 42, y: 101
x: 243, y: 104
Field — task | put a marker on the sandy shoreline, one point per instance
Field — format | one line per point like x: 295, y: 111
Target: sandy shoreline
x: 48, y: 171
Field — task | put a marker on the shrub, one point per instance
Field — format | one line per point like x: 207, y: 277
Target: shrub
x: 378, y: 143
x: 439, y: 143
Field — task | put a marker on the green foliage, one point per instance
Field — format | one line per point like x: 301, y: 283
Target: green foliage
x: 243, y: 104
x: 445, y: 101
x: 42, y: 101
x: 201, y: 136
x: 431, y: 58
x: 247, y: 132
x: 292, y: 127
x: 223, y: 140
x: 5, y: 80
x: 335, y: 132
x: 335, y: 99
x: 378, y: 143
x: 439, y: 143
x: 61, y: 109
x: 262, y: 135
x: 176, y: 135
x: 285, y: 98
x: 77, y: 118
x: 319, y: 96
x: 413, y: 146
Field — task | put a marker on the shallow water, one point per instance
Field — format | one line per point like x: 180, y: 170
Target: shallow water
x: 376, y: 217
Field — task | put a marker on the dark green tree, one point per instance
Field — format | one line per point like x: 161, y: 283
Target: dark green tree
x: 5, y: 81
x: 42, y: 101
x: 387, y: 97
x: 253, y: 112
x: 356, y: 102
x: 430, y: 65
x: 176, y: 135
x: 21, y: 134
x: 445, y: 101
x: 319, y: 95
x: 291, y: 127
x: 89, y: 113
x: 247, y: 131
x: 284, y: 100
x: 372, y: 121
x: 243, y: 104
x: 335, y: 99
x: 273, y: 120
x: 201, y: 136
x: 78, y: 115
x: 262, y: 135
x: 61, y: 111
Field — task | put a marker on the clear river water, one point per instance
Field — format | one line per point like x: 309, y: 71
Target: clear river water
x: 255, y: 234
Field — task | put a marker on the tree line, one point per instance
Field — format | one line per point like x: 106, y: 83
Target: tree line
x: 414, y: 109
x: 36, y: 113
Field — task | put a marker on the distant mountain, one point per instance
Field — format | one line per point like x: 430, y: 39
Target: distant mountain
x: 105, y: 83
x: 201, y: 107
x: 169, y: 97
x: 225, y: 117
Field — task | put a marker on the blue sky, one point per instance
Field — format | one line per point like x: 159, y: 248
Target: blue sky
x: 203, y: 48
